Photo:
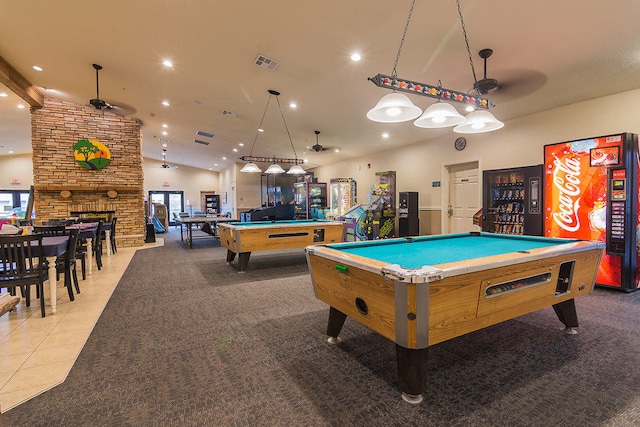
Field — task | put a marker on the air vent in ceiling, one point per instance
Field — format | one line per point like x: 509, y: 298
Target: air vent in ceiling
x: 228, y: 113
x: 205, y: 134
x: 266, y: 63
x: 197, y: 141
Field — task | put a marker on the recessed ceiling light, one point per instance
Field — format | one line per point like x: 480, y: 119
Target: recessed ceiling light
x: 164, y: 145
x: 260, y: 130
x: 10, y: 151
x: 167, y: 63
x: 293, y: 105
x: 235, y: 150
x: 355, y: 57
x: 164, y: 125
x: 241, y: 144
x: 20, y: 106
x: 2, y: 94
x: 165, y: 103
x: 385, y: 135
x: 164, y: 132
x: 224, y: 158
x: 337, y: 150
x: 35, y: 67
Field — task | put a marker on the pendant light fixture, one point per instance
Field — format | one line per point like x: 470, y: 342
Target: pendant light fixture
x: 274, y: 168
x: 396, y: 107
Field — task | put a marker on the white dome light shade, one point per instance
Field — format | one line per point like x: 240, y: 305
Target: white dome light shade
x: 394, y: 108
x: 479, y: 121
x: 250, y: 167
x: 439, y: 115
x: 296, y: 170
x: 274, y: 169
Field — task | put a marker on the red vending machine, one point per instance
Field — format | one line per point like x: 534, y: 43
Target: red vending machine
x: 591, y: 192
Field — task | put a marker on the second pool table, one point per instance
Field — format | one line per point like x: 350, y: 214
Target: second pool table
x: 421, y: 291
x: 242, y: 238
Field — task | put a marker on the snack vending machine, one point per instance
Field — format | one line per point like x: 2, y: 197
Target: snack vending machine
x: 512, y: 200
x: 591, y: 192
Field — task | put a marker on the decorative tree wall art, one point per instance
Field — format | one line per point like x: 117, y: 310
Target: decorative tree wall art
x: 91, y: 154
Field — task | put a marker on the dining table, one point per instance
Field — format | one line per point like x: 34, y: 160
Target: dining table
x: 52, y: 248
x: 88, y: 232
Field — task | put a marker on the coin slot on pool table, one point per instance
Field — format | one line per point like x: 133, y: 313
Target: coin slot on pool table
x: 565, y: 275
x: 515, y: 285
x: 361, y: 305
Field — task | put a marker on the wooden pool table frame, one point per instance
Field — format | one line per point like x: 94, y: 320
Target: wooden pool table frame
x: 242, y: 238
x: 420, y: 308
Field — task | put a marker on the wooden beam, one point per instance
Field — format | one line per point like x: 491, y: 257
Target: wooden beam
x: 13, y: 80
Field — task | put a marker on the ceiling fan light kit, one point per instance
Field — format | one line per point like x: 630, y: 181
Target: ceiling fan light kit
x: 274, y: 168
x: 396, y: 107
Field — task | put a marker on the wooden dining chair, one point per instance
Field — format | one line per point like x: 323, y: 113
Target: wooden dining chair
x: 22, y: 265
x: 66, y: 264
x: 50, y: 230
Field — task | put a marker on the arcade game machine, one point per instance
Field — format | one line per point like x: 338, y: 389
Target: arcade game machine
x: 342, y: 196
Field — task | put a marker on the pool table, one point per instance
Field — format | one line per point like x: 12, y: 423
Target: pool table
x: 242, y: 238
x: 421, y: 291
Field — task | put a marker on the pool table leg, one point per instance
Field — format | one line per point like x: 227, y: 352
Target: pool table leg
x: 230, y: 256
x: 243, y: 261
x: 336, y: 321
x: 566, y: 312
x: 412, y: 372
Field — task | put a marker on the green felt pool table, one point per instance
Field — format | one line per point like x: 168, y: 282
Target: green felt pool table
x: 242, y: 238
x: 424, y: 290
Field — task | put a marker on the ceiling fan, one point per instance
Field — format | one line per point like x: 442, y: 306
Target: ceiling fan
x: 164, y: 161
x: 485, y: 85
x: 318, y: 148
x: 97, y: 102
x: 513, y: 83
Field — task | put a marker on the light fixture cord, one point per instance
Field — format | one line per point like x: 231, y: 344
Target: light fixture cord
x: 287, y: 128
x: 260, y: 126
x: 466, y: 40
x: 394, y: 73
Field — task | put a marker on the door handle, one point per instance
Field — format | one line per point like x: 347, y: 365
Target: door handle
x: 450, y: 210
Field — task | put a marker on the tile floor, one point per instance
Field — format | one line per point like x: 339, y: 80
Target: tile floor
x: 37, y: 353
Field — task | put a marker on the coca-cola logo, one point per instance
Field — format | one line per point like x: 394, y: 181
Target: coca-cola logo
x: 566, y: 178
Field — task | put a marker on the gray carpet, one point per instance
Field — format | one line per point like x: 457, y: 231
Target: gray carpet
x: 174, y: 348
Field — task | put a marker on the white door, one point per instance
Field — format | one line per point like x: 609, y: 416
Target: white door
x: 464, y: 197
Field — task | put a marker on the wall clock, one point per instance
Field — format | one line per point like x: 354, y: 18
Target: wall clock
x: 460, y: 143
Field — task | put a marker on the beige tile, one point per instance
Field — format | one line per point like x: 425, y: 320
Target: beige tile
x: 62, y: 339
x: 13, y: 362
x: 11, y: 399
x: 37, y: 353
x: 51, y: 356
x: 15, y: 347
x: 38, y: 376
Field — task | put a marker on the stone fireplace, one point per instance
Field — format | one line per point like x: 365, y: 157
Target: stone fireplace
x: 62, y: 186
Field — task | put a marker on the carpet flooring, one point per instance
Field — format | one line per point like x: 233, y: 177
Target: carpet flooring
x: 179, y: 344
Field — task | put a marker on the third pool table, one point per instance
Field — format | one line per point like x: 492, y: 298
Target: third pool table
x: 424, y: 290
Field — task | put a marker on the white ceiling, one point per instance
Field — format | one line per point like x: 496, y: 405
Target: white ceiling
x: 547, y: 53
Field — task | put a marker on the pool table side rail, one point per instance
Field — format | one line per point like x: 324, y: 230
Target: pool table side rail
x: 240, y: 239
x: 430, y: 273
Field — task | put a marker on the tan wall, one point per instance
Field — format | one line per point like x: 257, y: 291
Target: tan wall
x: 18, y: 166
x: 190, y: 180
x: 519, y: 143
x: 55, y: 129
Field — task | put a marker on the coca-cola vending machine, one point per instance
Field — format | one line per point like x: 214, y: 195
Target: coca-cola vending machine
x: 591, y: 192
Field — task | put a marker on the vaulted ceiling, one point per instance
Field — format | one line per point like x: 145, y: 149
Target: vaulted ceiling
x: 547, y: 53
